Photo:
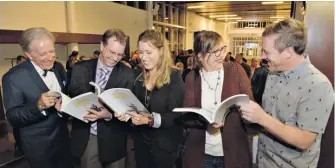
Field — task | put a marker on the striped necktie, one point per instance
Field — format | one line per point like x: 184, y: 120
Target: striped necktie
x: 103, y: 77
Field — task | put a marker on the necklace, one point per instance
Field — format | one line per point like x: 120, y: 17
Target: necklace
x: 209, y: 86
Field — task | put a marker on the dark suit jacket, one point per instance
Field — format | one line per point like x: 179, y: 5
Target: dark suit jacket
x: 44, y: 139
x: 162, y: 100
x: 234, y: 133
x: 246, y: 68
x: 112, y: 135
x: 258, y: 83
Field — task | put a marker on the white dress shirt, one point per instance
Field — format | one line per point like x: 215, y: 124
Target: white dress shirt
x: 50, y: 80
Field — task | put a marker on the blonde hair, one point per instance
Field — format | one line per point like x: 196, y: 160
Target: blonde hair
x: 290, y: 33
x: 32, y: 34
x: 165, y: 63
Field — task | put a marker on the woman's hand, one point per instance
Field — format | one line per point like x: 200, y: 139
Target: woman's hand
x: 214, y: 128
x: 121, y: 117
x: 93, y: 115
x: 138, y: 119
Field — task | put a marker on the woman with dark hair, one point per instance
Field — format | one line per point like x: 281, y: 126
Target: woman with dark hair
x: 212, y: 81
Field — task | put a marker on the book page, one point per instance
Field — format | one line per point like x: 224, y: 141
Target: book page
x: 221, y: 111
x: 121, y: 100
x: 206, y: 114
x: 77, y: 106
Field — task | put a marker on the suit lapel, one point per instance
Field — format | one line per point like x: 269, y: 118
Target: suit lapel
x: 115, y: 77
x: 36, y: 77
x: 90, y: 73
x: 60, y: 80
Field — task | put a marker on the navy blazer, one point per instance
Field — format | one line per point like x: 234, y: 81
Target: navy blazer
x: 44, y: 138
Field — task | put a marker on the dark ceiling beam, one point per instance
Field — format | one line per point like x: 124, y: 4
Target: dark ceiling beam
x: 14, y: 36
x: 186, y: 2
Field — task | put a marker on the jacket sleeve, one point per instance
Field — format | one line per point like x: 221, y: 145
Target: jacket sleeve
x: 18, y: 112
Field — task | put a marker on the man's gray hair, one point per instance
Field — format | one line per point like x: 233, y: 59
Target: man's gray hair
x: 32, y: 34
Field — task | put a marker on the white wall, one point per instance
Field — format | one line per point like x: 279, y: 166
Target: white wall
x: 23, y: 15
x: 97, y: 17
x: 222, y: 29
x: 88, y: 49
x: 196, y: 23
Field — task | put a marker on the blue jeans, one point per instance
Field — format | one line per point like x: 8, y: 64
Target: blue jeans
x: 213, y: 161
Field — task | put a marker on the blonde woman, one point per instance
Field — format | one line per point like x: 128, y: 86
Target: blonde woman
x: 161, y: 89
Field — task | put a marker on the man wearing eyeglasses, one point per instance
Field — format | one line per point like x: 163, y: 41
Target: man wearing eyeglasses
x: 101, y: 143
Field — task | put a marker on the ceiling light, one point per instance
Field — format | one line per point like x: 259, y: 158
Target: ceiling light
x: 216, y: 16
x: 228, y: 18
x: 271, y: 3
x: 277, y: 17
x: 246, y: 20
x: 195, y: 7
x: 166, y: 18
x: 232, y: 22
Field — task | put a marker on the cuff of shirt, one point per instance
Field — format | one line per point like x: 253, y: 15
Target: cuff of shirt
x: 157, y: 120
x: 60, y: 114
x: 44, y: 113
x: 108, y: 119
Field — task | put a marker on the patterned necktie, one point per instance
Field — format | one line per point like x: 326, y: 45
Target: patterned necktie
x: 102, y: 80
x: 103, y: 77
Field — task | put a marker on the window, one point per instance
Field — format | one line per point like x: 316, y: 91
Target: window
x: 136, y: 4
x: 249, y: 46
x: 170, y: 20
x: 251, y: 24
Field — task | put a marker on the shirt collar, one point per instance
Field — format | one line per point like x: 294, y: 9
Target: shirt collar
x: 298, y: 69
x: 101, y: 65
x: 39, y: 70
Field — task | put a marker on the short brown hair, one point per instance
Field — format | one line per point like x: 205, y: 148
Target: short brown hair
x: 204, y: 42
x: 32, y: 34
x: 117, y: 34
x: 290, y: 33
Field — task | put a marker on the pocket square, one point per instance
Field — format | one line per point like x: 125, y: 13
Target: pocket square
x: 64, y: 83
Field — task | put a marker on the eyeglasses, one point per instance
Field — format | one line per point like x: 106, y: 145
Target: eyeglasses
x: 219, y: 51
x: 114, y: 53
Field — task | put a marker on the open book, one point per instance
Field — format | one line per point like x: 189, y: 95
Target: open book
x: 221, y: 111
x: 119, y: 100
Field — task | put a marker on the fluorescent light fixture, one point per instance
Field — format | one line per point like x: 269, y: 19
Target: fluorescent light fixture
x: 246, y: 20
x: 277, y: 17
x: 228, y: 18
x: 195, y: 7
x: 216, y: 16
x: 272, y: 2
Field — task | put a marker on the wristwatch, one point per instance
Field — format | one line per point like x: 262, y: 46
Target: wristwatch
x: 151, y: 122
x: 39, y: 107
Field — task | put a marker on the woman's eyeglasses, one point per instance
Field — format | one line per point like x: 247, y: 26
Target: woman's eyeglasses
x: 219, y: 51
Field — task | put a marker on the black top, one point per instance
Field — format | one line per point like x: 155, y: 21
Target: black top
x: 258, y: 83
x: 161, y: 100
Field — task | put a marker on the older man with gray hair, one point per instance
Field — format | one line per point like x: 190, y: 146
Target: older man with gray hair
x: 31, y: 103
